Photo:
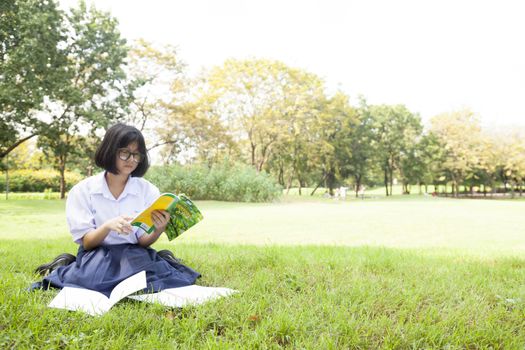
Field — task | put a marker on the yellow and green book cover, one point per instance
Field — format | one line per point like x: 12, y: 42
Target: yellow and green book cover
x: 183, y: 215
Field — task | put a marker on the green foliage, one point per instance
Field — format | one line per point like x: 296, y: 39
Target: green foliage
x: 75, y: 67
x: 93, y: 92
x: 396, y: 130
x: 261, y: 104
x: 46, y: 181
x: 30, y: 33
x: 461, y: 137
x: 224, y: 181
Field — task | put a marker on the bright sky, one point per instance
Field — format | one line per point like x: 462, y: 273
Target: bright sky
x: 432, y: 56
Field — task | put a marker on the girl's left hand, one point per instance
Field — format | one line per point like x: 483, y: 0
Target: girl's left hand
x: 160, y: 218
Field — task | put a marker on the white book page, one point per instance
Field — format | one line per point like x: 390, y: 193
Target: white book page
x: 182, y: 296
x: 128, y: 286
x: 80, y: 299
x: 160, y: 298
x: 96, y: 303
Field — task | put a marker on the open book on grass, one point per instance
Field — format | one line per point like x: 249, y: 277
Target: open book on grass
x: 96, y: 303
x: 184, y: 296
x: 183, y: 214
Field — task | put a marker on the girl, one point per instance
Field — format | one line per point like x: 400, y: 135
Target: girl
x: 99, y: 210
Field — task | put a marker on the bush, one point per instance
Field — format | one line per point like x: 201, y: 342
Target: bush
x: 226, y: 181
x: 38, y: 180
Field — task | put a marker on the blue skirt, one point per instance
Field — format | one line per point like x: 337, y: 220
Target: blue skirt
x: 104, y: 267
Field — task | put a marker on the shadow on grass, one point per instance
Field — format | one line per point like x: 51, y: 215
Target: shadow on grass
x: 298, y: 297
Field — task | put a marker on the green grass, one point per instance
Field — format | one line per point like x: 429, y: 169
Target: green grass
x: 29, y: 195
x: 476, y: 226
x: 398, y: 273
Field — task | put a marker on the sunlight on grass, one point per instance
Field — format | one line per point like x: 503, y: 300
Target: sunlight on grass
x: 481, y: 226
x: 425, y: 222
x: 434, y: 273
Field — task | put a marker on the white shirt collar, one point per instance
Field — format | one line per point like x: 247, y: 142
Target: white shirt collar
x: 100, y: 186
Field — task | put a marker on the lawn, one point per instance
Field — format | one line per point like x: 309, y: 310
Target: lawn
x: 404, y: 272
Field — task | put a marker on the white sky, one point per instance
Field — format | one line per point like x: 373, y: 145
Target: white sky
x: 432, y: 56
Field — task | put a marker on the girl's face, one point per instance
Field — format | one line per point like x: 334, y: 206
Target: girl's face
x: 128, y: 158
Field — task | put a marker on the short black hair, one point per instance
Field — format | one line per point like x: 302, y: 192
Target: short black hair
x: 119, y: 136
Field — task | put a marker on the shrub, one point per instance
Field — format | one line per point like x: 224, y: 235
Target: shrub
x: 38, y: 180
x: 226, y: 181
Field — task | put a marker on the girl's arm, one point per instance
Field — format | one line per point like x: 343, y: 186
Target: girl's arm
x: 160, y: 219
x: 119, y: 224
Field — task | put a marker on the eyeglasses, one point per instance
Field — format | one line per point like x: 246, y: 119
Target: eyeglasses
x: 124, y: 154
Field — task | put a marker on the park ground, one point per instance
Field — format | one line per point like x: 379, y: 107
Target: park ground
x: 401, y: 272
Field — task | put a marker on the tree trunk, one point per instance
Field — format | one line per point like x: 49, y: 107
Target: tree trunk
x: 319, y: 184
x: 289, y: 185
x: 330, y: 178
x: 391, y: 174
x: 62, y: 181
x: 357, y: 185
x: 253, y: 153
x: 263, y: 158
x: 281, y: 175
x: 386, y: 181
x: 290, y: 180
x: 7, y: 176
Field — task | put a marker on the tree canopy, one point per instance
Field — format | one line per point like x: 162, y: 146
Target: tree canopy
x: 67, y: 76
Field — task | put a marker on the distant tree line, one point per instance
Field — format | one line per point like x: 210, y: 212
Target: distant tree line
x: 66, y: 76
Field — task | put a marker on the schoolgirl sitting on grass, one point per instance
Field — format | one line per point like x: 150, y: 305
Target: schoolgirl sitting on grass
x: 99, y: 210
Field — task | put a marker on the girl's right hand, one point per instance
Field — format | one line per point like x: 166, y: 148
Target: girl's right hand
x: 120, y: 224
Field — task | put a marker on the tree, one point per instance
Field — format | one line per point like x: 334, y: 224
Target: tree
x: 191, y: 131
x: 459, y: 133
x: 335, y: 141
x: 361, y: 146
x: 159, y: 78
x: 395, y: 130
x: 170, y: 107
x: 82, y: 159
x: 92, y: 93
x: 411, y: 167
x: 429, y: 157
x: 254, y: 98
x: 30, y: 33
x: 299, y: 109
x: 507, y: 161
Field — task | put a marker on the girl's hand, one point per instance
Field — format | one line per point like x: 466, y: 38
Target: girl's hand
x: 160, y: 218
x: 120, y: 224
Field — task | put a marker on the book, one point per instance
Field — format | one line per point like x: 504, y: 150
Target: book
x: 184, y: 296
x: 183, y: 215
x: 95, y: 303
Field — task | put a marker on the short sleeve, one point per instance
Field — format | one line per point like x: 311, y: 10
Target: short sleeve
x: 80, y: 218
x: 152, y: 193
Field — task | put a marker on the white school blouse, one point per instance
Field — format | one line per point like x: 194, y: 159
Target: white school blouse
x: 90, y: 203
